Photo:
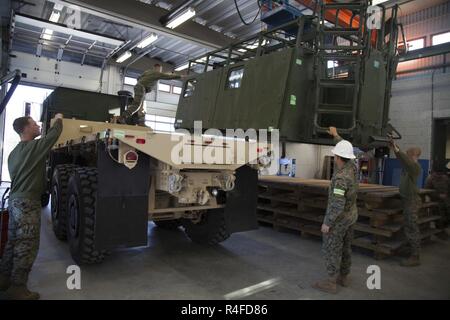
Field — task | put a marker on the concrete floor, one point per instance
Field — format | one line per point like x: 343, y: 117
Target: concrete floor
x: 172, y: 267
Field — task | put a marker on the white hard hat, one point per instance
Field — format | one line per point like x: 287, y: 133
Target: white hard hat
x: 344, y: 149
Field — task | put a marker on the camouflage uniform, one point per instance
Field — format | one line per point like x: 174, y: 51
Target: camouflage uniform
x: 340, y: 216
x: 441, y: 184
x: 411, y: 200
x: 26, y: 164
x: 23, y: 240
x: 144, y: 85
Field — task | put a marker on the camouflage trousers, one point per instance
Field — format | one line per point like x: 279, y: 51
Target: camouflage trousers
x: 23, y: 240
x: 411, y: 229
x: 337, y: 249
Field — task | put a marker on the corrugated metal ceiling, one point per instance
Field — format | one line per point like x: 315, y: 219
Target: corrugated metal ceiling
x: 218, y: 15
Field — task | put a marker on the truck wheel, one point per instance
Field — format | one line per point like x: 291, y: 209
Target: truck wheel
x: 45, y: 199
x: 60, y: 180
x: 82, y: 196
x: 168, y: 224
x: 210, y: 230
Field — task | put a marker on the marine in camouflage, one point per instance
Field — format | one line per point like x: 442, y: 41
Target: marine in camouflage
x: 144, y: 85
x: 411, y: 200
x: 23, y: 240
x: 411, y: 229
x: 341, y: 215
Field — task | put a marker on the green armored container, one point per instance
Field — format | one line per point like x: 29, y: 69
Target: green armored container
x: 325, y: 75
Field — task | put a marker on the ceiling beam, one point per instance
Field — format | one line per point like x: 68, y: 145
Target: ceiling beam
x: 141, y: 15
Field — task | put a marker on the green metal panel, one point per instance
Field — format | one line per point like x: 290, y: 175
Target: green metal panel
x: 258, y: 102
x: 85, y: 105
x: 201, y: 105
x: 370, y: 113
x: 79, y: 104
x: 297, y: 113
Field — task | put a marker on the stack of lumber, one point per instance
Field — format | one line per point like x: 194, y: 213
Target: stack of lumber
x: 300, y: 204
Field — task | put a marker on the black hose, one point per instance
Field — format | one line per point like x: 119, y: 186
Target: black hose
x: 240, y: 16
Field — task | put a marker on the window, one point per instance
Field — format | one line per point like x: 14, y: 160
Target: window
x: 332, y: 64
x: 416, y: 44
x: 160, y: 123
x: 163, y: 87
x: 235, y: 78
x: 440, y: 38
x: 130, y: 81
x: 176, y: 90
x: 190, y: 88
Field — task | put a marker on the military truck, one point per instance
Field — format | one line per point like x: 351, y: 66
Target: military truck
x: 108, y: 180
x: 327, y: 69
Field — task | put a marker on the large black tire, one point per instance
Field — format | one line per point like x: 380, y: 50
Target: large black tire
x: 45, y: 199
x: 210, y: 230
x: 60, y: 181
x: 168, y: 224
x: 82, y: 196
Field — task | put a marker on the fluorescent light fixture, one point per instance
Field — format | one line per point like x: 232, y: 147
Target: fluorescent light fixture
x: 201, y: 60
x: 254, y: 45
x: 185, y: 16
x: 47, y: 34
x: 54, y: 17
x: 58, y: 6
x: 182, y: 67
x: 147, y: 41
x: 126, y: 55
x: 376, y: 2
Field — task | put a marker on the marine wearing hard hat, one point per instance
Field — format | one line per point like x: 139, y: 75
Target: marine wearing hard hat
x: 341, y: 215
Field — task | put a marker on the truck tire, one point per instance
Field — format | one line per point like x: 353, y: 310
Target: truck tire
x: 210, y: 230
x: 82, y: 196
x: 45, y: 199
x: 60, y: 181
x: 168, y: 224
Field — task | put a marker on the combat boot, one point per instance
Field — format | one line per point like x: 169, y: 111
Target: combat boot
x: 412, y: 261
x: 19, y: 293
x: 4, y: 282
x: 343, y: 280
x: 327, y: 285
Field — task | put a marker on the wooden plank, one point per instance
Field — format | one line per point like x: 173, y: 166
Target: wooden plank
x: 264, y: 219
x: 367, y: 244
x: 368, y: 229
x: 430, y: 204
x: 315, y: 203
x: 428, y: 219
x: 288, y: 199
x: 265, y: 207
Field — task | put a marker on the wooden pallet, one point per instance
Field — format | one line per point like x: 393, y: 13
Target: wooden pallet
x: 300, y: 204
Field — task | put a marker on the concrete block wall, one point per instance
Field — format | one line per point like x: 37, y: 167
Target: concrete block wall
x: 414, y: 103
